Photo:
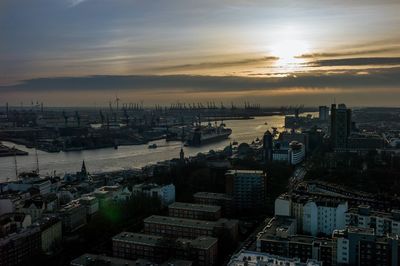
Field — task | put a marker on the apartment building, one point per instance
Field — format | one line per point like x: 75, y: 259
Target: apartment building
x: 223, y: 200
x: 194, y: 211
x: 202, y: 250
x: 189, y: 228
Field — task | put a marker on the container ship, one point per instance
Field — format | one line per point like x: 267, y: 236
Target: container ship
x: 206, y: 134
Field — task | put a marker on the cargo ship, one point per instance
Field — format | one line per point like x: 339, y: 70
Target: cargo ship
x: 206, y: 134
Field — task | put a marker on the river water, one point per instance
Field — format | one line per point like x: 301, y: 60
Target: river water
x: 125, y: 157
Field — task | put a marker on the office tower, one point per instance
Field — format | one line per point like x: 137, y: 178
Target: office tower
x: 323, y: 113
x: 267, y: 144
x: 340, y: 126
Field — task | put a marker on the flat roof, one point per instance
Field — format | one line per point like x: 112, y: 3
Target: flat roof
x: 202, y: 242
x: 208, y: 225
x: 233, y: 172
x: 194, y: 207
x: 91, y: 259
x: 212, y: 195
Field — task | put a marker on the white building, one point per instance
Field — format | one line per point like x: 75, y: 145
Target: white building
x: 382, y: 222
x: 253, y: 258
x: 314, y: 216
x: 166, y: 193
x: 323, y: 217
x: 298, y: 152
x: 292, y: 154
x: 91, y: 204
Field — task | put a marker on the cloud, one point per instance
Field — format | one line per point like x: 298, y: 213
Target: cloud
x: 208, y: 65
x: 74, y: 3
x: 350, y: 53
x: 361, y: 61
x: 375, y: 78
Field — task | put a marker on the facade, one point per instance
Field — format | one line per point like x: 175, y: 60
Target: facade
x: 382, y: 222
x: 20, y: 247
x: 253, y: 258
x: 340, y: 126
x: 51, y: 233
x: 323, y: 113
x: 14, y: 221
x: 247, y: 187
x: 42, y: 184
x: 189, y: 228
x: 91, y: 204
x: 314, y: 215
x: 361, y: 246
x: 298, y: 152
x: 225, y: 201
x: 73, y: 216
x: 365, y: 142
x: 166, y: 193
x: 202, y: 250
x: 323, y: 217
x: 267, y: 146
x: 194, y: 211
x: 279, y: 238
x: 282, y: 155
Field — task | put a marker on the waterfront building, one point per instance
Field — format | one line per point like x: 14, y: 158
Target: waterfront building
x: 166, y: 193
x: 340, y: 126
x: 194, y: 211
x: 382, y: 222
x: 43, y: 185
x: 189, y: 228
x: 247, y: 187
x: 202, y: 250
x: 223, y: 200
x: 254, y: 258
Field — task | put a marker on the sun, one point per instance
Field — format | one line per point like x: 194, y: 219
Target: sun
x: 288, y: 52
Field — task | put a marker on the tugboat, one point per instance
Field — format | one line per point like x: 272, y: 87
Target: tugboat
x: 207, y: 134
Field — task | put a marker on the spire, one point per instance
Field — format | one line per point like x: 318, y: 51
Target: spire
x: 83, y: 168
x: 182, y: 155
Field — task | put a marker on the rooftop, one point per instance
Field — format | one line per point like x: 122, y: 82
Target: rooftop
x: 245, y: 172
x: 194, y: 207
x: 91, y: 259
x: 203, y: 242
x: 212, y: 195
x: 252, y: 258
x: 208, y: 225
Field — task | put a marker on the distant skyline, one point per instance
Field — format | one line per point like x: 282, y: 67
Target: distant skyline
x: 87, y: 52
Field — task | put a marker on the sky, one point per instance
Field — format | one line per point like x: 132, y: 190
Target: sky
x: 88, y: 52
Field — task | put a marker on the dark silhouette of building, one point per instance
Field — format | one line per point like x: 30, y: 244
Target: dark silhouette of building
x: 340, y: 126
x: 268, y: 146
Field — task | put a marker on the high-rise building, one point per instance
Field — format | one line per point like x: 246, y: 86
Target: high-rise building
x: 247, y: 187
x: 268, y: 146
x: 340, y: 126
x: 323, y: 113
